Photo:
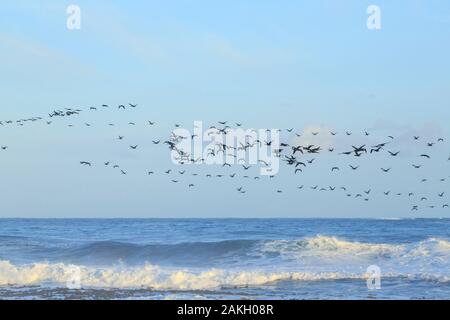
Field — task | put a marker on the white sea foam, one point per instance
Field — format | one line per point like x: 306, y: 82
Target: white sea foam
x: 148, y: 276
x: 428, y: 260
x: 333, y: 247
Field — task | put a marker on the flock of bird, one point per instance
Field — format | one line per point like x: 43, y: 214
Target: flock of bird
x: 297, y: 156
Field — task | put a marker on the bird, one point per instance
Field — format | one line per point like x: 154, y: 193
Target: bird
x: 359, y: 150
x: 288, y: 153
x: 394, y: 154
x: 297, y: 149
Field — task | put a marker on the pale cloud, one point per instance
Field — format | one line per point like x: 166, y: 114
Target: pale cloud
x: 27, y: 47
x: 323, y: 139
x: 404, y: 133
x: 256, y: 55
x: 225, y: 49
x: 109, y: 26
x: 32, y: 57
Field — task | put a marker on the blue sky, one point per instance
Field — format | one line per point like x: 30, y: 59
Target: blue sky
x: 269, y: 64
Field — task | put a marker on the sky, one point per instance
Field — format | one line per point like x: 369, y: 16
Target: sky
x: 309, y: 65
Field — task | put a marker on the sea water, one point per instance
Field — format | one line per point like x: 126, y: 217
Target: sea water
x: 223, y: 258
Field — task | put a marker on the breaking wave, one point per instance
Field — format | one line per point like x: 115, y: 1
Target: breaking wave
x: 147, y: 276
x: 239, y: 263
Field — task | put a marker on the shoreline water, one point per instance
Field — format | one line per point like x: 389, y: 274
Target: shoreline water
x: 223, y: 259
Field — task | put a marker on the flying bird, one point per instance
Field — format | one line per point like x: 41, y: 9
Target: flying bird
x: 394, y: 154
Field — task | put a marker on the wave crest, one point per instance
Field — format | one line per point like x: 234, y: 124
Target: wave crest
x: 243, y: 263
x: 148, y: 276
x: 333, y: 247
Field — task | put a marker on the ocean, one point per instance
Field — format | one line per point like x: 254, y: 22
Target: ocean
x: 224, y: 258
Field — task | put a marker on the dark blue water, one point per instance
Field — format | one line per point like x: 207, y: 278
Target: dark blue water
x: 224, y: 258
